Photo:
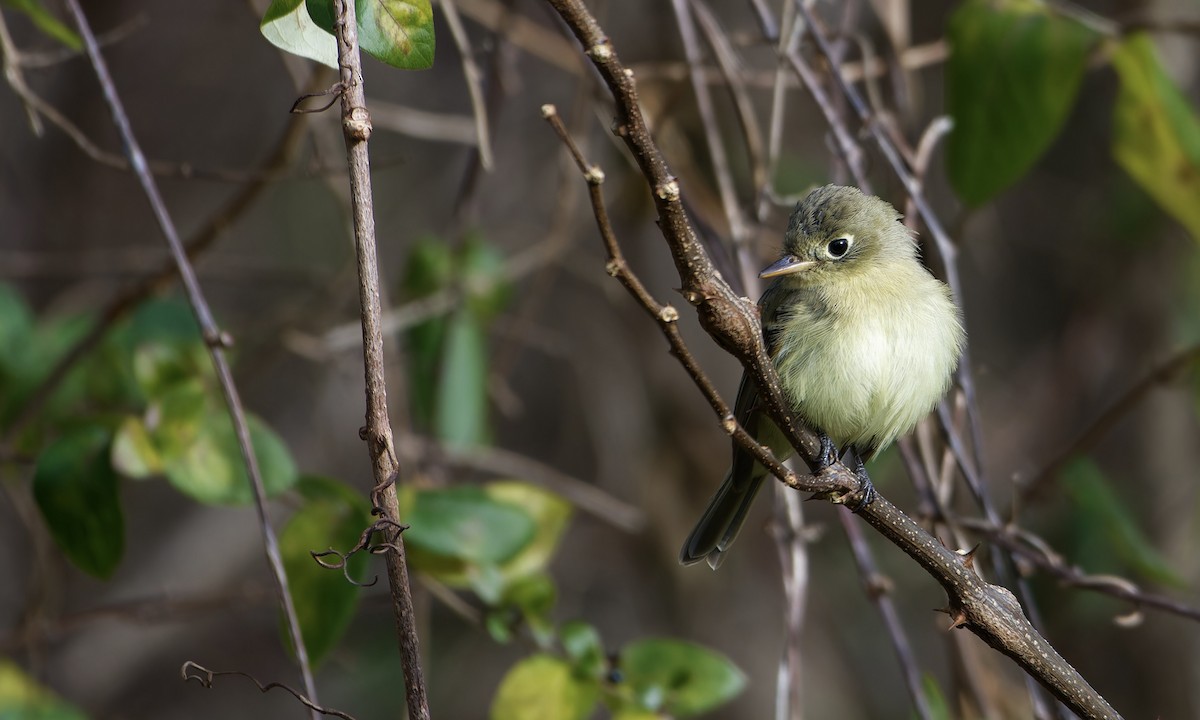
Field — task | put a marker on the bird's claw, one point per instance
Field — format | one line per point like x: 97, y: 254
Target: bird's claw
x: 828, y: 454
x: 866, y: 489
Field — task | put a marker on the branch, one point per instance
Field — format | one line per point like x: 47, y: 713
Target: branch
x: 215, y: 339
x: 1101, y: 425
x: 356, y: 127
x: 1033, y: 550
x: 121, y: 305
x: 204, y: 676
x: 990, y: 611
x: 878, y: 589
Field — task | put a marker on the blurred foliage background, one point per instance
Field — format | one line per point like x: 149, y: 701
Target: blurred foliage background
x: 516, y: 358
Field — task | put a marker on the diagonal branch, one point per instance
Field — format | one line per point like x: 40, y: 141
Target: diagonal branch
x: 215, y: 339
x: 990, y: 611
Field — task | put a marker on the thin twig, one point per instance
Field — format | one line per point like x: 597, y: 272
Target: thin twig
x: 214, y: 337
x: 667, y: 318
x: 1036, y: 552
x: 946, y: 249
x: 199, y: 242
x: 850, y: 151
x: 712, y: 135
x: 787, y: 42
x: 917, y: 57
x: 204, y: 676
x: 498, y: 461
x: 16, y: 78
x: 356, y: 129
x: 732, y: 68
x: 474, y: 82
x: 36, y: 108
x: 878, y: 589
x: 412, y: 312
x: 1099, y: 427
x: 791, y: 541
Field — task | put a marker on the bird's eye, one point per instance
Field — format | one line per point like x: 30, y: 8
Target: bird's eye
x: 838, y: 247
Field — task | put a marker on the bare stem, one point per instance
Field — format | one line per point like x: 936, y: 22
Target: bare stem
x: 356, y: 127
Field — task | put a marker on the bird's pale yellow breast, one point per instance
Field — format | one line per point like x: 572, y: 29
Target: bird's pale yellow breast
x: 869, y: 355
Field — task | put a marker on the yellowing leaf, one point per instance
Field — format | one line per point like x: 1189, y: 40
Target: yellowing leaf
x: 1156, y: 136
x: 542, y: 687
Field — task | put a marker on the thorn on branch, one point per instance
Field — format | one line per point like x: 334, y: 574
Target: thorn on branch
x: 968, y: 556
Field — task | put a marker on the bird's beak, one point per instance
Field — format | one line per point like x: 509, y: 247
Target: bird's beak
x: 786, y: 265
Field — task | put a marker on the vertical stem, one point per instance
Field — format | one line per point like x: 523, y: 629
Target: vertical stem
x: 356, y: 126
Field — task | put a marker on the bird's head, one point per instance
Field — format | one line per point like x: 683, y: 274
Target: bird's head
x: 836, y: 232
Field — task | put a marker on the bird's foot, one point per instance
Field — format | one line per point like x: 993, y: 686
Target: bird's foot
x: 866, y: 489
x: 828, y: 455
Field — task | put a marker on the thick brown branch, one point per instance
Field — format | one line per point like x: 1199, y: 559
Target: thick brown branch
x: 992, y: 612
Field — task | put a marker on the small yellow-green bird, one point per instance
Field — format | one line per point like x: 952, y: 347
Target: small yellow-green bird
x: 864, y: 339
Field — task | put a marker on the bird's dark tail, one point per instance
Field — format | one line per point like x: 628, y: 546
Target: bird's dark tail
x: 719, y: 526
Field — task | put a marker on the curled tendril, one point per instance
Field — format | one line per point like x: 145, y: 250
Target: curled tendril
x: 364, y: 545
x: 204, y: 676
x: 335, y: 90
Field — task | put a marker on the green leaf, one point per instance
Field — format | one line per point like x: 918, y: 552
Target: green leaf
x: 462, y: 401
x: 133, y: 451
x: 286, y: 25
x: 1105, y: 531
x: 1156, y: 135
x: 534, y: 597
x: 158, y: 367
x: 165, y: 320
x: 16, y: 327
x: 30, y: 363
x: 333, y: 517
x: 679, y: 678
x: 481, y: 266
x: 430, y: 268
x: 76, y: 490
x: 22, y: 698
x: 47, y: 23
x: 1012, y: 77
x: 542, y: 687
x: 582, y: 644
x: 939, y: 709
x: 550, y: 514
x: 465, y: 523
x: 397, y: 32
x: 210, y: 468
x: 175, y: 418
x: 635, y: 714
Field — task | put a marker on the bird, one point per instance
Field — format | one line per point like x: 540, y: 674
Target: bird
x: 865, y: 341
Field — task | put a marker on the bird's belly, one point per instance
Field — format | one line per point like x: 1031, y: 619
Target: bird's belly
x: 866, y: 382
